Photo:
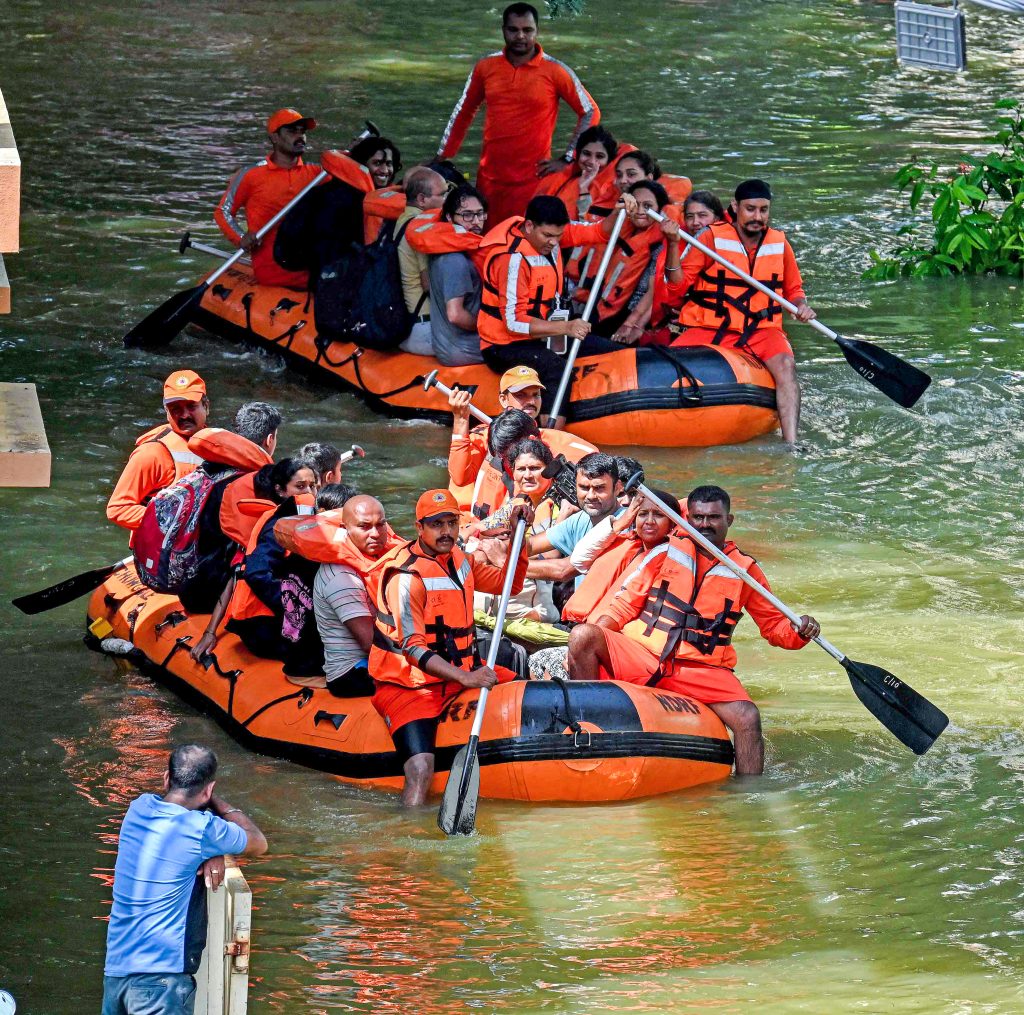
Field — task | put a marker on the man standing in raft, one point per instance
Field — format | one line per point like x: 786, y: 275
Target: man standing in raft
x: 161, y: 455
x: 424, y: 648
x: 521, y: 86
x: 670, y: 625
x: 263, y: 190
x: 722, y: 309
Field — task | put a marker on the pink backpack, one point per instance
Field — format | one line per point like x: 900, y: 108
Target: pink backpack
x: 166, y: 544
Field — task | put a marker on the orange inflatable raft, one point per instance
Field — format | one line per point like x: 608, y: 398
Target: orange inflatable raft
x: 651, y: 396
x: 541, y: 740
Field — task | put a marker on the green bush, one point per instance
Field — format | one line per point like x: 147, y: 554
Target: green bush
x: 977, y: 214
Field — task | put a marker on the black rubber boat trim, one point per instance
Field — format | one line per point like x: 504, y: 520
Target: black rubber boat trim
x: 539, y: 747
x: 712, y: 395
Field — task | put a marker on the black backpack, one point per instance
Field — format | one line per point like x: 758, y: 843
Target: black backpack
x: 358, y: 298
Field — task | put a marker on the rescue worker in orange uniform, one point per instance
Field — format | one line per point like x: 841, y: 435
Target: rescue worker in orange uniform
x: 477, y: 477
x: 670, y: 625
x: 263, y: 190
x: 719, y: 308
x: 521, y: 305
x: 522, y: 86
x: 161, y: 455
x: 424, y: 648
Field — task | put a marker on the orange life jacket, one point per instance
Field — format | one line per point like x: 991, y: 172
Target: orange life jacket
x: 184, y: 459
x: 225, y: 447
x: 427, y: 233
x: 630, y: 259
x: 238, y: 511
x: 244, y: 602
x: 537, y: 278
x: 678, y: 188
x: 342, y: 167
x: 722, y: 301
x: 324, y: 540
x: 682, y: 620
x: 494, y: 484
x: 602, y: 580
x: 447, y: 616
x: 383, y: 204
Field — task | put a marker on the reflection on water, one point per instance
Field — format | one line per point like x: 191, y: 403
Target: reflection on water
x: 853, y: 871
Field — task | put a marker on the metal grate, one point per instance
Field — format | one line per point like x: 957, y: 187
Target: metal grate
x: 929, y: 36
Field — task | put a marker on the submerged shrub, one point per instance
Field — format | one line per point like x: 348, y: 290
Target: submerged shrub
x: 977, y: 214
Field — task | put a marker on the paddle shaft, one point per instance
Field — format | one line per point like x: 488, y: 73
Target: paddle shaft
x: 740, y: 572
x: 264, y: 229
x: 347, y: 456
x: 206, y: 248
x: 445, y: 390
x: 592, y: 298
x: 749, y: 279
x: 499, y: 624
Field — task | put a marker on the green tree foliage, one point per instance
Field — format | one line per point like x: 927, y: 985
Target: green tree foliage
x: 977, y: 215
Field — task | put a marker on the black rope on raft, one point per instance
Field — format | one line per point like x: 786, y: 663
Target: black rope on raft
x: 417, y: 381
x: 695, y: 396
x: 287, y: 337
x: 323, y: 344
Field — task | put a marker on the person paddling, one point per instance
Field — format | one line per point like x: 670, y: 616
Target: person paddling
x: 161, y: 454
x: 670, y: 625
x: 522, y: 87
x: 263, y: 190
x: 719, y: 308
x: 424, y: 649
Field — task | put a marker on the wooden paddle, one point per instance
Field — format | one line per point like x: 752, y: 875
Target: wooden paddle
x: 595, y: 292
x: 457, y: 813
x: 67, y: 590
x: 895, y: 377
x: 909, y: 716
x: 160, y: 326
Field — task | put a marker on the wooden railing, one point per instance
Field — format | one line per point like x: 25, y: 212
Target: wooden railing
x: 222, y: 983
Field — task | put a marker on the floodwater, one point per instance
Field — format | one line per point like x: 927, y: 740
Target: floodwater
x: 853, y: 877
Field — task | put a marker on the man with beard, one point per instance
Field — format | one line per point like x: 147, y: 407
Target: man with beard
x: 161, y: 455
x: 522, y: 87
x: 263, y: 190
x: 721, y: 309
x: 424, y: 649
x: 597, y: 490
x: 670, y: 625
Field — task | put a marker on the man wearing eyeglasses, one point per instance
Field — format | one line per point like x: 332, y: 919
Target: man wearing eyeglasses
x: 425, y: 190
x: 455, y: 284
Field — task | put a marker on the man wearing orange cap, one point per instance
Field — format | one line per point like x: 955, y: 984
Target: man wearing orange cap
x: 161, y: 455
x: 424, y: 648
x: 263, y: 190
x: 468, y: 464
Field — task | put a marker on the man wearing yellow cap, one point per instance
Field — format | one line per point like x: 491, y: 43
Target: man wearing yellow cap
x: 263, y: 190
x: 424, y: 649
x: 161, y: 455
x: 520, y: 388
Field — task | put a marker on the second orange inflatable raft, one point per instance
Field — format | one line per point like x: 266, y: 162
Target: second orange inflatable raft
x: 541, y: 740
x: 651, y: 396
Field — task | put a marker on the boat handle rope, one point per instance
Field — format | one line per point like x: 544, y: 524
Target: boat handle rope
x: 573, y: 724
x: 695, y: 396
x: 323, y: 344
x: 286, y: 338
x: 305, y: 694
x: 179, y: 643
x: 416, y: 382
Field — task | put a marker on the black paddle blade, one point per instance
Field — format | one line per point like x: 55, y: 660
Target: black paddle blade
x: 63, y: 592
x: 457, y: 813
x: 895, y: 377
x: 166, y: 321
x: 909, y: 716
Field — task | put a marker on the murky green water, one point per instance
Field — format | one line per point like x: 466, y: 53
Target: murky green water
x: 853, y: 877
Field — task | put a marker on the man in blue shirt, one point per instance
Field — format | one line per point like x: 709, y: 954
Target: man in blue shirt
x: 157, y: 927
x: 597, y: 488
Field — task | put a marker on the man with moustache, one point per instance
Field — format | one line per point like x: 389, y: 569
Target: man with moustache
x: 161, y: 455
x: 263, y: 190
x: 522, y: 87
x: 670, y: 625
x: 424, y: 649
x: 721, y: 309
